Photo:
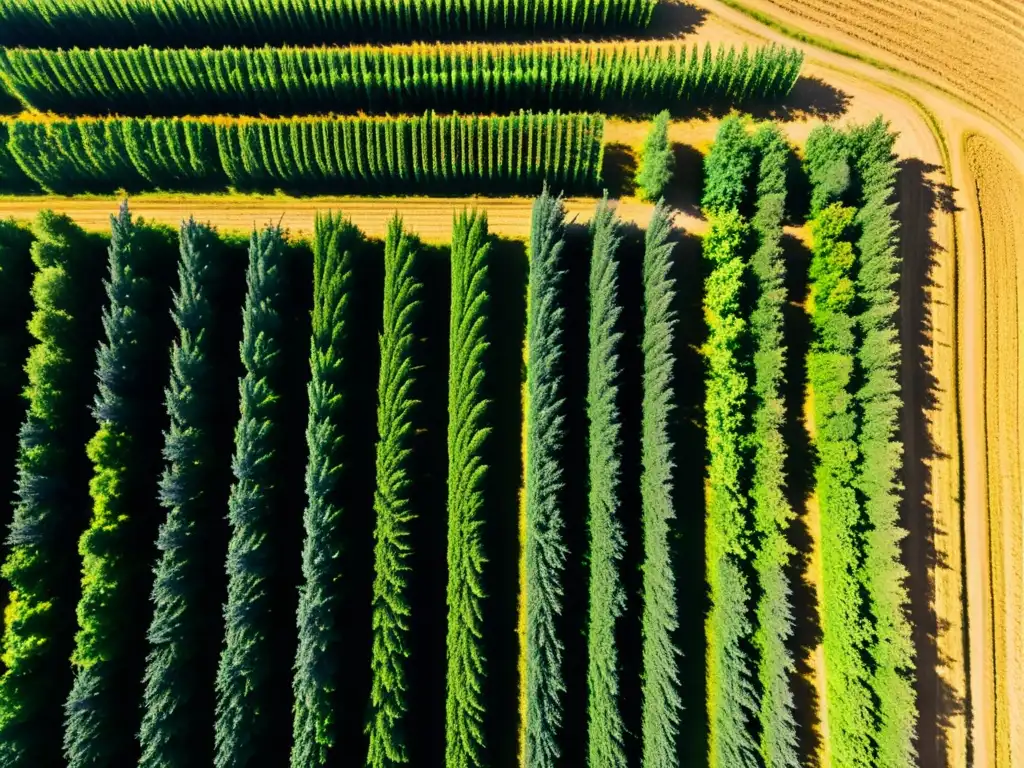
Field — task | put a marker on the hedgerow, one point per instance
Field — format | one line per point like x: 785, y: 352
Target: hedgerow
x: 467, y: 434
x: 388, y: 717
x: 66, y: 23
x: 186, y: 630
x: 50, y: 512
x: 662, y: 702
x: 770, y: 511
x: 881, y: 452
x: 606, y: 733
x: 103, y: 709
x: 248, y: 674
x: 352, y: 154
x: 476, y: 77
x: 544, y: 538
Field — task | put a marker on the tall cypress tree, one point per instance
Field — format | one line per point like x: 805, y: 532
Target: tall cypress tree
x: 245, y: 681
x: 662, y: 703
x: 655, y: 172
x: 606, y: 733
x: 545, y: 429
x: 467, y: 434
x: 319, y: 672
x: 53, y: 472
x: 662, y: 700
x: 388, y: 717
x: 102, y: 711
x: 184, y: 636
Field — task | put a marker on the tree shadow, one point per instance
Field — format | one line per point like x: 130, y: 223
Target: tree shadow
x: 503, y: 385
x: 688, y: 534
x: 687, y: 185
x: 811, y: 97
x: 800, y: 462
x: 618, y: 172
x: 920, y: 197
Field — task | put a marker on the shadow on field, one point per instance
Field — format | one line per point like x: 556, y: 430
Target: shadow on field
x: 618, y: 174
x: 936, y: 701
x: 801, y: 459
x: 689, y: 441
x: 687, y: 183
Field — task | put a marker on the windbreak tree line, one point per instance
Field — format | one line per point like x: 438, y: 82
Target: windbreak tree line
x: 477, y: 77
x: 355, y: 154
x: 750, y: 665
x: 853, y: 371
x: 84, y: 23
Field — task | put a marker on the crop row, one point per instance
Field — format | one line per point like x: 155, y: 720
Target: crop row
x: 177, y: 665
x: 290, y: 81
x: 86, y: 23
x: 352, y: 154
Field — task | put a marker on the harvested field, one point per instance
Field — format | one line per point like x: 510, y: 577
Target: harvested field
x: 972, y: 48
x: 1000, y: 689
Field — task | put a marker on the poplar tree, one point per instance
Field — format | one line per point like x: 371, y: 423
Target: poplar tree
x: 245, y: 682
x: 662, y: 703
x: 606, y: 733
x: 545, y: 430
x: 319, y: 664
x: 388, y: 713
x: 103, y: 709
x: 185, y: 633
x: 50, y: 512
x: 467, y: 436
x: 655, y: 172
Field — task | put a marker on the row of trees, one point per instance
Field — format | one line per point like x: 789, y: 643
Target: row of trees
x: 750, y: 666
x: 355, y: 155
x: 63, y: 23
x: 853, y: 372
x: 289, y: 81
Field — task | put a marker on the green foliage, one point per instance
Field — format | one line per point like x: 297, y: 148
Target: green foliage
x: 387, y: 721
x: 55, y: 23
x: 727, y: 167
x: 246, y: 670
x: 770, y: 510
x: 878, y: 397
x: 826, y: 158
x: 12, y: 178
x: 184, y: 636
x: 50, y: 513
x: 731, y: 696
x: 662, y: 703
x: 467, y: 434
x: 476, y: 77
x: 655, y: 172
x: 319, y: 665
x: 305, y: 154
x: 830, y: 369
x: 545, y: 430
x: 103, y: 713
x: 606, y: 733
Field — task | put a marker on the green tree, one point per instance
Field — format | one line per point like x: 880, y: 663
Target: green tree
x: 246, y: 673
x: 319, y: 669
x: 185, y: 634
x: 655, y: 172
x: 103, y: 712
x: 53, y: 473
x: 606, y: 734
x: 727, y: 167
x: 467, y: 435
x: 393, y: 504
x: 662, y: 703
x: 545, y: 429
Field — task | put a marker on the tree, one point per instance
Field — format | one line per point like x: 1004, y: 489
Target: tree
x: 388, y: 713
x: 606, y: 734
x: 727, y: 167
x: 662, y: 703
x: 467, y: 436
x: 319, y: 665
x: 53, y: 474
x: 245, y: 683
x: 102, y: 710
x: 186, y: 630
x: 545, y: 428
x: 655, y: 172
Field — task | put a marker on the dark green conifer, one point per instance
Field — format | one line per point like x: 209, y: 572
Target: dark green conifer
x: 656, y: 172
